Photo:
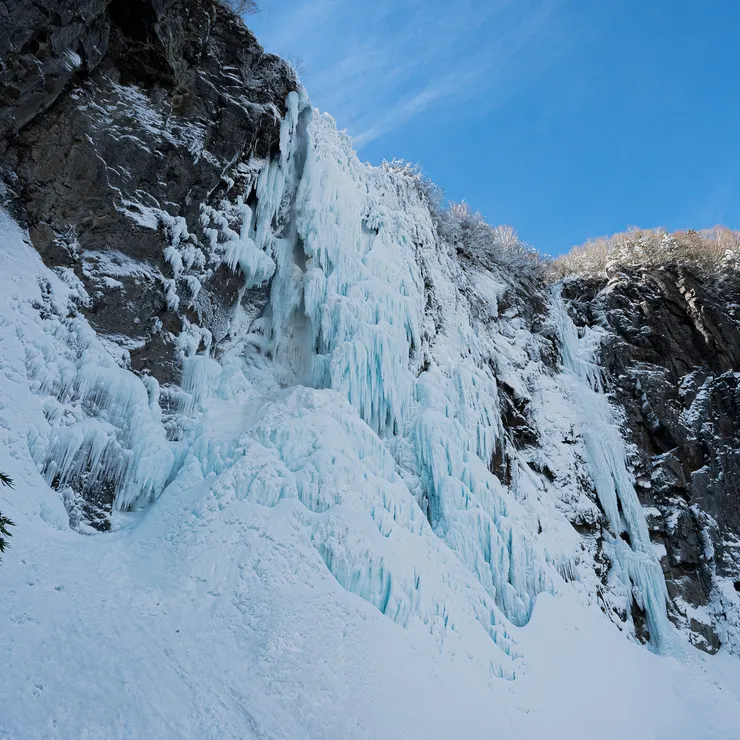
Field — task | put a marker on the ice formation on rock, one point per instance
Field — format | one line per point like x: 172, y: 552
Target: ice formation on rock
x: 386, y: 445
x: 367, y: 390
x: 606, y: 458
x: 379, y: 469
x: 104, y: 422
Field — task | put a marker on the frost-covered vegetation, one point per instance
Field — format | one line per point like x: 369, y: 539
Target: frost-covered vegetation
x: 240, y: 8
x: 475, y: 238
x: 468, y: 231
x: 711, y: 251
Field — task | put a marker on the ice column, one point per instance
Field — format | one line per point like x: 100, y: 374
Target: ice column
x: 607, y: 464
x: 344, y: 299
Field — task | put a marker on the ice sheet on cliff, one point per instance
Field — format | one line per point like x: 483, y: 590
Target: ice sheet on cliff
x: 329, y: 553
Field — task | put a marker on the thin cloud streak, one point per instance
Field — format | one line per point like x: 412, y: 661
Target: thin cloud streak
x: 377, y: 68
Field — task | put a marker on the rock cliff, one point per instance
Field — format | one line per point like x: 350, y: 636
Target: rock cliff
x: 133, y: 136
x: 672, y: 354
x: 117, y: 119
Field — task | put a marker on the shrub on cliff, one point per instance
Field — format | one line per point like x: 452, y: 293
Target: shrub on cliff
x: 240, y: 7
x: 711, y: 251
x: 476, y: 239
x: 467, y: 231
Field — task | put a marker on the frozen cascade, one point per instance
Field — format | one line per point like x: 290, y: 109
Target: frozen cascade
x: 104, y: 422
x: 349, y: 281
x: 304, y: 402
x: 469, y: 507
x: 344, y: 400
x: 346, y: 313
x: 607, y: 465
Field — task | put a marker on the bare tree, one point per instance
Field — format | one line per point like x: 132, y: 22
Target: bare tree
x: 240, y: 7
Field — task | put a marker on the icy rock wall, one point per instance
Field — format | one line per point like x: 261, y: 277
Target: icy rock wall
x: 347, y: 313
x: 102, y: 432
x: 120, y: 126
x: 606, y: 457
x: 368, y: 390
x: 232, y: 245
x: 672, y: 349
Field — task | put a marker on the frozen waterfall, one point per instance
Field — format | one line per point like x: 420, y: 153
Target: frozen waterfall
x: 630, y: 545
x: 347, y: 397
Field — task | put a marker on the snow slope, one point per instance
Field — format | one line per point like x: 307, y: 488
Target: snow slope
x: 313, y: 538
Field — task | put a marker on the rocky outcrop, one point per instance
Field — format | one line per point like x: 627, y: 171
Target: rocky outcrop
x: 672, y: 354
x: 120, y: 120
x: 117, y: 119
x: 133, y: 131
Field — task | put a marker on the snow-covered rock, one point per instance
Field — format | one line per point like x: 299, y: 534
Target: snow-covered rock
x: 382, y: 490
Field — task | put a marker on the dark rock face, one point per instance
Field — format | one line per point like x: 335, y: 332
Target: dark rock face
x: 116, y: 114
x: 42, y: 46
x: 673, y: 356
x: 119, y: 121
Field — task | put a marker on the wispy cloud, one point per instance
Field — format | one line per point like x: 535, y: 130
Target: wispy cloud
x: 376, y: 66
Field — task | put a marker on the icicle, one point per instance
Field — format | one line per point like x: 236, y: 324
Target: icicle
x: 607, y: 464
x: 118, y: 441
x: 345, y: 320
x: 346, y: 306
x: 453, y: 435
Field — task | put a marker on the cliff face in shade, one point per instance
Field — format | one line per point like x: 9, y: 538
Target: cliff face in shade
x: 110, y: 107
x: 672, y: 354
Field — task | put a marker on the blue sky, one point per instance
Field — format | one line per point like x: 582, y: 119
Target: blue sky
x: 566, y: 119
